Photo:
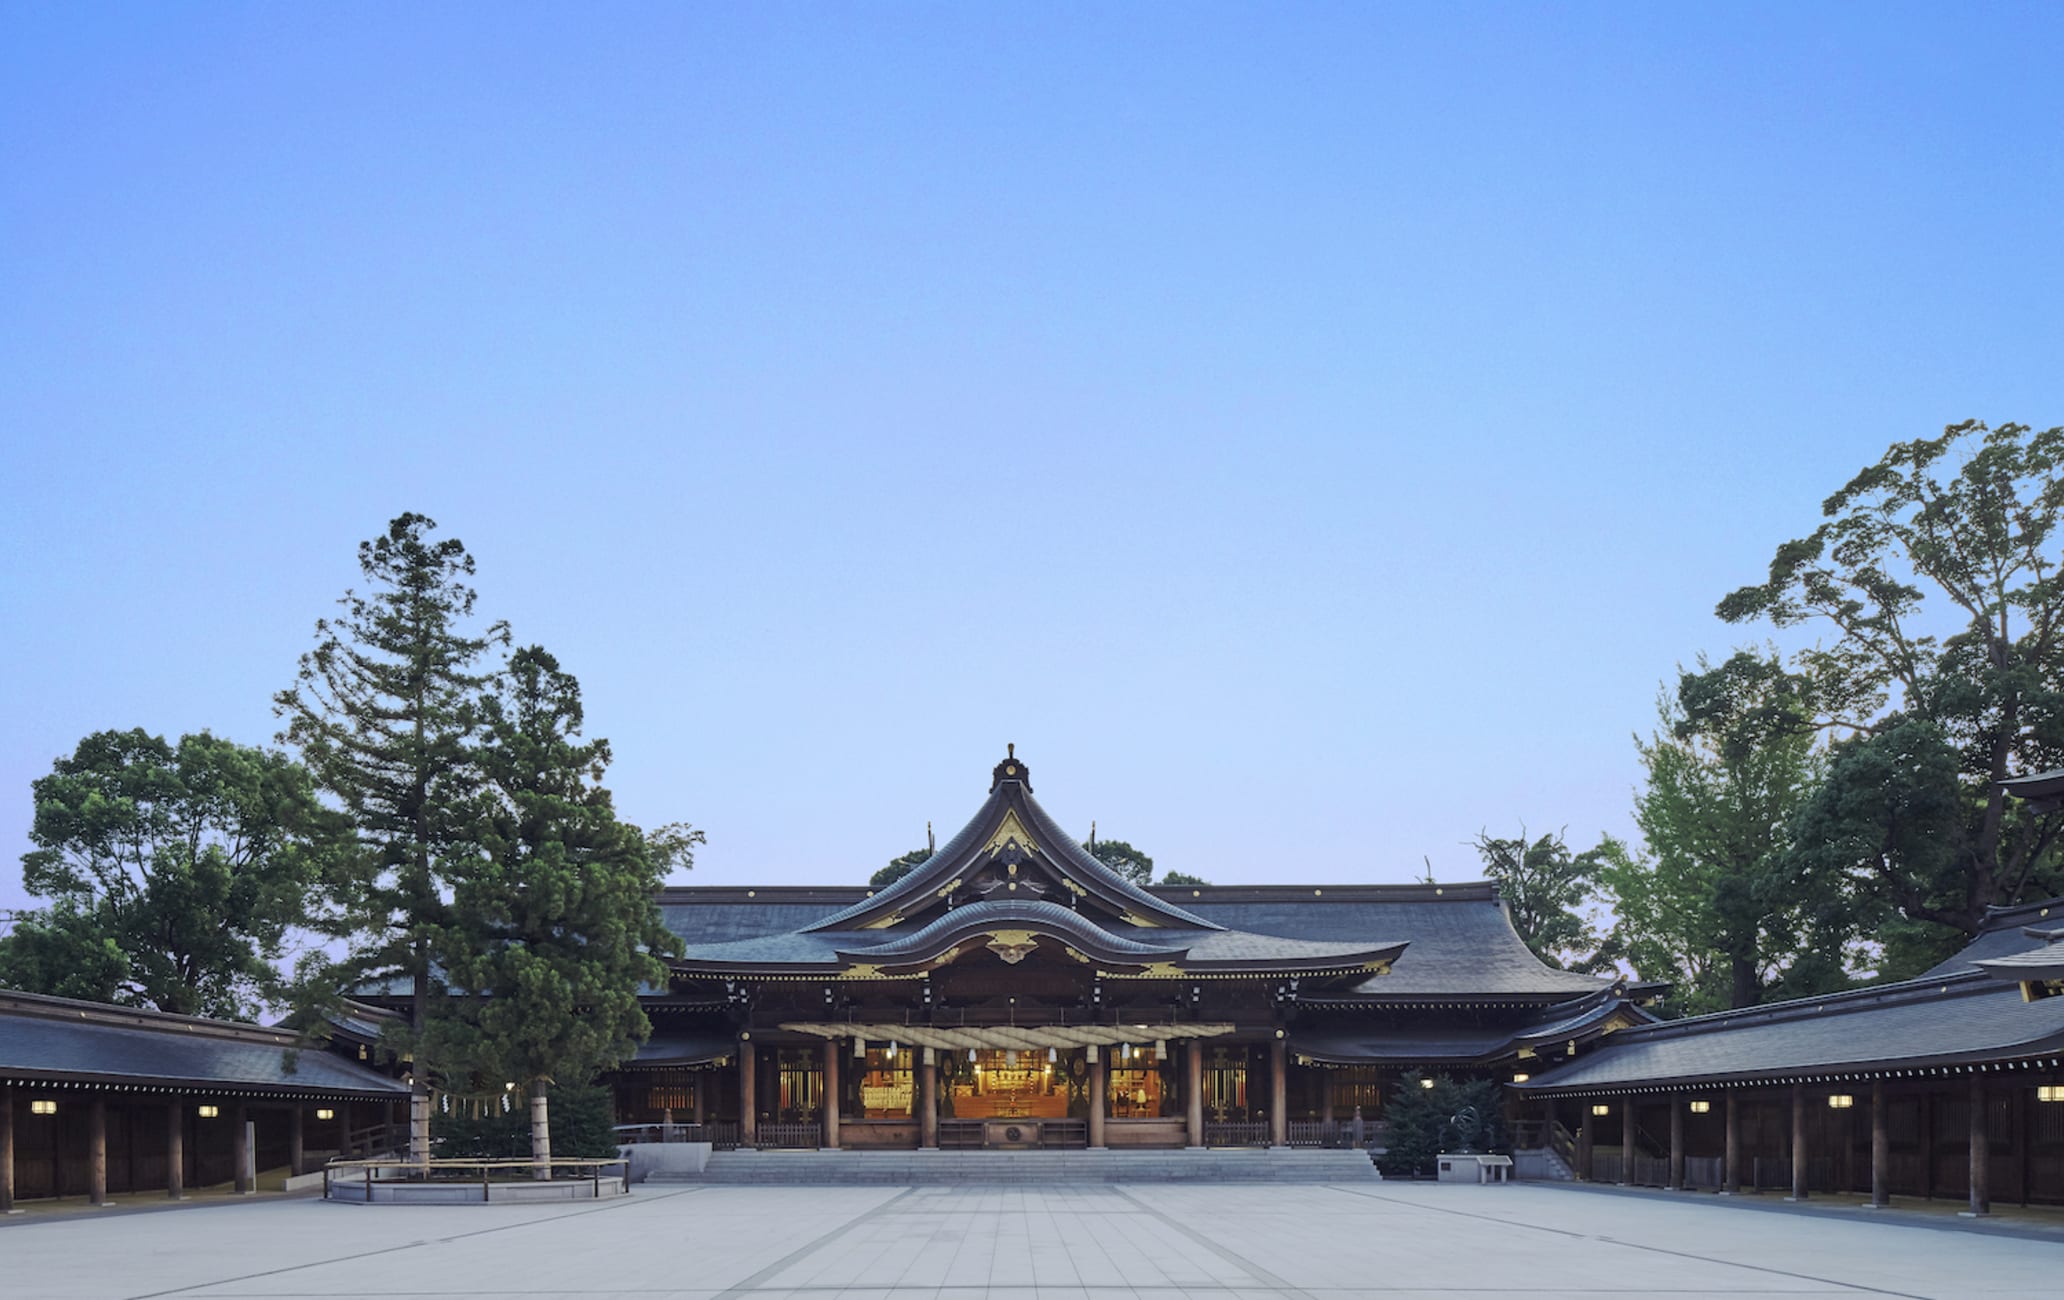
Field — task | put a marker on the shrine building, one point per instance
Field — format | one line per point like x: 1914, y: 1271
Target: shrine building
x: 1014, y: 991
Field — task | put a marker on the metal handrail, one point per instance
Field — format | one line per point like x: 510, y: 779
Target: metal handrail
x: 487, y: 1168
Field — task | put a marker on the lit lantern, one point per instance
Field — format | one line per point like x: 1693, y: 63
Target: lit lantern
x: 326, y: 1113
x: 1051, y: 1057
x: 1701, y: 1107
x: 1601, y: 1109
x: 207, y: 1112
x: 43, y: 1107
x: 892, y: 1049
x: 1521, y: 1077
x: 1841, y: 1101
x: 1426, y: 1083
x: 2049, y: 1092
x: 971, y: 1053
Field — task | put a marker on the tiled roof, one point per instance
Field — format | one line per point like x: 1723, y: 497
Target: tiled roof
x: 1459, y: 941
x: 1952, y: 1020
x: 63, y: 1040
x: 2002, y: 935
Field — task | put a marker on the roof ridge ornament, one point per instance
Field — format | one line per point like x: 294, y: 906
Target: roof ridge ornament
x: 1010, y: 769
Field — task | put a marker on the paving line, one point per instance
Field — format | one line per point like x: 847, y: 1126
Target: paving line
x: 751, y: 1284
x: 623, y: 1204
x: 1268, y: 1279
x: 1635, y: 1245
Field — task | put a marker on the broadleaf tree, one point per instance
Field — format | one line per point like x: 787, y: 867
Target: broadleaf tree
x: 1546, y: 889
x: 1936, y: 573
x: 177, y: 875
x: 1720, y: 905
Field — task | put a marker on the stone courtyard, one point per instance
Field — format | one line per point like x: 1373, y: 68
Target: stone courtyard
x: 1113, y: 1242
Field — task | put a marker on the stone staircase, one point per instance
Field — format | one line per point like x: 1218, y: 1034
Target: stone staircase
x: 921, y: 1168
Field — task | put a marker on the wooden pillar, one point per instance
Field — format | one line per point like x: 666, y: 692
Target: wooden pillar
x: 831, y: 1094
x: 96, y: 1152
x: 1730, y: 1172
x: 240, y: 1148
x: 1627, y: 1142
x: 1587, y: 1140
x: 1881, y: 1149
x: 297, y: 1144
x: 1981, y: 1153
x: 1677, y: 1143
x: 1279, y: 1091
x: 1096, y: 1097
x: 1798, y: 1142
x: 1326, y: 1096
x: 175, y: 1151
x: 748, y: 1095
x: 701, y: 1097
x: 6, y: 1148
x: 928, y: 1100
x: 1927, y: 1146
x: 1195, y: 1116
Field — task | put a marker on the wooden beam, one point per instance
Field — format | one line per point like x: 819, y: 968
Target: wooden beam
x: 928, y: 1099
x: 96, y: 1151
x: 1677, y: 1104
x: 240, y: 1150
x: 831, y: 1093
x: 1881, y: 1148
x: 1279, y: 1091
x: 1097, y: 1089
x: 1730, y: 1174
x: 1799, y: 1145
x: 1194, y: 1050
x: 1981, y: 1152
x: 748, y: 1095
x: 6, y: 1148
x: 175, y: 1151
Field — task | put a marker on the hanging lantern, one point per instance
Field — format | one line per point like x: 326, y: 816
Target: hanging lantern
x: 1160, y: 1049
x: 859, y: 1049
x: 971, y: 1054
x: 892, y: 1049
x: 1126, y: 1051
x: 1052, y: 1056
x: 1010, y: 1058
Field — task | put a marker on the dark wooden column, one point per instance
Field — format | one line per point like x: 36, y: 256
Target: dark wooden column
x: 240, y: 1149
x: 297, y: 1140
x: 1096, y: 1097
x: 928, y: 1100
x: 1677, y: 1142
x: 1626, y: 1141
x: 1730, y: 1162
x: 96, y: 1152
x: 1195, y: 1052
x: 1981, y: 1153
x: 1326, y: 1096
x: 175, y: 1151
x: 831, y: 1093
x: 1927, y: 1146
x: 1586, y: 1140
x: 748, y: 1095
x: 1279, y: 1092
x: 1881, y: 1149
x: 1798, y: 1142
x: 6, y: 1148
x: 701, y: 1097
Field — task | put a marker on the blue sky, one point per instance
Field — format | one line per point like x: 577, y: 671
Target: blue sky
x: 1311, y: 433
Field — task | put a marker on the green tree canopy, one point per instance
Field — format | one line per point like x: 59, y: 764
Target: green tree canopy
x: 551, y: 934
x: 1122, y: 858
x: 1719, y: 905
x: 1183, y: 878
x: 1545, y: 888
x: 899, y: 867
x: 176, y: 874
x: 1937, y: 573
x: 385, y: 712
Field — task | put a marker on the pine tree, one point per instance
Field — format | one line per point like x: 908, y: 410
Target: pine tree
x: 385, y: 711
x: 550, y: 937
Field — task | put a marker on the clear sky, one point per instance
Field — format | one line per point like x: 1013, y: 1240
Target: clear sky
x: 1311, y: 433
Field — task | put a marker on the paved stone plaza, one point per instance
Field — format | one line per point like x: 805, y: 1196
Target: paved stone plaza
x: 1085, y: 1243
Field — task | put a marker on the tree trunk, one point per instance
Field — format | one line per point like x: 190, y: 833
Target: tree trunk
x: 1747, y: 989
x: 540, y: 1132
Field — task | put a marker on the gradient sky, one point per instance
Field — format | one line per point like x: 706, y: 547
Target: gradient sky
x: 1311, y: 433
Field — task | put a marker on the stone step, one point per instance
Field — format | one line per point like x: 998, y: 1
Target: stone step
x: 803, y: 1168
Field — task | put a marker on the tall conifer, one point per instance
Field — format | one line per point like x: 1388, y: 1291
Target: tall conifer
x: 385, y: 711
x: 552, y: 934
